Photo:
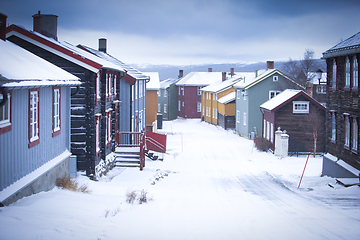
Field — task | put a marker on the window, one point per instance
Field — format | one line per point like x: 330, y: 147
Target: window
x: 334, y: 75
x: 347, y: 131
x: 203, y: 113
x: 198, y: 91
x: 238, y: 93
x: 203, y: 94
x: 113, y: 90
x: 347, y: 73
x: 213, y: 112
x: 355, y: 134
x: 33, y: 117
x: 355, y: 76
x: 5, y: 113
x: 271, y: 132
x: 275, y: 78
x: 98, y: 76
x: 183, y: 104
x: 333, y: 127
x: 97, y: 132
x: 179, y: 90
x: 244, y: 118
x: 273, y: 93
x: 108, y: 126
x: 136, y: 89
x: 165, y: 108
x: 141, y: 89
x: 264, y: 130
x: 179, y: 105
x: 321, y: 89
x: 183, y: 90
x: 207, y: 111
x: 214, y: 97
x: 267, y: 130
x: 56, y: 111
x: 300, y: 107
x: 165, y: 93
x: 237, y: 116
x: 159, y: 107
x: 159, y: 93
x: 198, y: 106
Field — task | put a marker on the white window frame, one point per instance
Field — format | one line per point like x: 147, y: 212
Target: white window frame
x: 238, y: 93
x: 267, y: 130
x: 355, y: 134
x: 333, y: 127
x: 183, y: 90
x: 56, y: 109
x: 347, y: 72
x: 34, y: 114
x: 271, y: 132
x: 321, y: 89
x: 238, y: 116
x: 273, y: 92
x: 244, y: 118
x: 179, y: 105
x: 159, y: 93
x: 198, y: 107
x: 347, y: 131
x: 165, y: 108
x: 334, y: 68
x: 355, y: 76
x: 301, y: 106
x: 264, y: 130
x: 97, y: 132
x: 98, y: 77
x: 165, y: 93
x: 159, y: 107
x: 275, y: 78
x: 5, y: 112
x: 198, y: 91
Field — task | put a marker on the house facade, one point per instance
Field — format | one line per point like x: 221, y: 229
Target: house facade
x: 343, y: 111
x: 189, y: 94
x: 215, y: 111
x: 254, y: 91
x: 167, y: 99
x: 300, y: 115
x: 152, y: 106
x: 34, y: 122
x: 316, y: 88
x: 95, y: 108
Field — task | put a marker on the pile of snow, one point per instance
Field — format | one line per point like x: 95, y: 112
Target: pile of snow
x: 212, y: 184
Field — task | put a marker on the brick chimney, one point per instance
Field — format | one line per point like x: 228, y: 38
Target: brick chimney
x: 3, y: 18
x: 46, y: 24
x: 232, y: 72
x: 209, y: 69
x: 181, y: 73
x: 223, y: 76
x: 102, y: 45
x: 270, y: 64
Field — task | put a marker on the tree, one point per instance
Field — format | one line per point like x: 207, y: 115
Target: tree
x: 303, y: 70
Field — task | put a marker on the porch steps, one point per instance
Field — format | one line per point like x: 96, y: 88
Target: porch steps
x: 127, y: 157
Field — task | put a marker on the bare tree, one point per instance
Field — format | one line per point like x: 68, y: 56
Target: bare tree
x: 303, y: 70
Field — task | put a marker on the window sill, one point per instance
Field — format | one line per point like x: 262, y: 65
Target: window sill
x: 354, y: 151
x: 355, y: 90
x: 6, y: 128
x: 54, y: 134
x: 347, y: 88
x: 346, y: 147
x: 34, y: 143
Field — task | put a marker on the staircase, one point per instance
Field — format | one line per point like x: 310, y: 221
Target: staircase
x: 127, y: 157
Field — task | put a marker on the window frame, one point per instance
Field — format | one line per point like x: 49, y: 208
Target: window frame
x: 347, y: 74
x: 238, y: 116
x: 321, y: 89
x: 355, y: 134
x: 34, y: 139
x: 98, y: 87
x: 165, y: 108
x: 355, y: 73
x: 334, y: 73
x: 275, y: 92
x: 198, y: 107
x: 347, y: 131
x: 333, y: 127
x: 97, y: 133
x: 56, y: 130
x: 6, y: 125
x: 302, y: 103
x: 275, y: 78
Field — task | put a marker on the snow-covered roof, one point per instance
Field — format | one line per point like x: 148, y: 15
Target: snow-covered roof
x: 63, y: 49
x: 350, y: 45
x: 154, y: 83
x: 167, y: 82
x: 228, y: 98
x: 129, y: 70
x: 261, y: 76
x: 285, y: 96
x: 20, y: 68
x: 222, y: 85
x: 200, y: 78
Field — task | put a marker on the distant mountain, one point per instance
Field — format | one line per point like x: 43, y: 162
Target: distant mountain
x: 172, y: 71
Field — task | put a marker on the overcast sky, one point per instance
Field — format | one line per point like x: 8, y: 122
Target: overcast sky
x: 189, y: 32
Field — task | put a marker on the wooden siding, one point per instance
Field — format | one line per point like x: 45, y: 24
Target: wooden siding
x: 18, y: 160
x: 299, y: 127
x: 190, y: 100
x: 340, y: 101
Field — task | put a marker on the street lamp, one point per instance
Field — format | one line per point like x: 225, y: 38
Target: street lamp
x: 319, y: 74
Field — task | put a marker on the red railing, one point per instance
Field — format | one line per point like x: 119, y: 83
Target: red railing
x: 142, y: 151
x: 156, y: 142
x: 134, y: 139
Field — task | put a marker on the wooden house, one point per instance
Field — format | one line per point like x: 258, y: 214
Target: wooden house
x: 216, y: 111
x: 152, y: 106
x: 34, y: 122
x: 189, y: 94
x: 316, y: 87
x: 95, y: 109
x: 343, y: 110
x: 300, y: 115
x: 167, y: 99
x: 253, y: 91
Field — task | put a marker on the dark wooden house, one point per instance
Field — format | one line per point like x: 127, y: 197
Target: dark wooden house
x: 300, y: 115
x: 343, y: 110
x: 95, y: 106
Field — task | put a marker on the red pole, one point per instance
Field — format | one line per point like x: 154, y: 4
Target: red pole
x: 304, y: 168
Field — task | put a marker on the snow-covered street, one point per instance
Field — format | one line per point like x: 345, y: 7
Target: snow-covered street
x: 213, y: 185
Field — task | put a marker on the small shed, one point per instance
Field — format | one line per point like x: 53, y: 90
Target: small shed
x: 300, y: 115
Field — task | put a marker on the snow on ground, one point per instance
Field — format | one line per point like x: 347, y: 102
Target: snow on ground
x: 217, y: 187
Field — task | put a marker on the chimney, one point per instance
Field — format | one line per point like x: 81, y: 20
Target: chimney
x: 3, y: 18
x: 102, y: 45
x: 270, y: 64
x: 223, y: 76
x: 181, y: 73
x: 46, y: 24
x: 209, y: 69
x: 232, y: 72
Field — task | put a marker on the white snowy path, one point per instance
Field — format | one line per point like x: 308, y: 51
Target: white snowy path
x: 217, y: 187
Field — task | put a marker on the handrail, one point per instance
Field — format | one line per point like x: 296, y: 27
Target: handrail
x: 142, y: 150
x: 156, y: 143
x: 129, y: 139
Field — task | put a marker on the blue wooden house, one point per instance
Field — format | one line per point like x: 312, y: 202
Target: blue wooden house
x: 34, y: 122
x: 99, y: 110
